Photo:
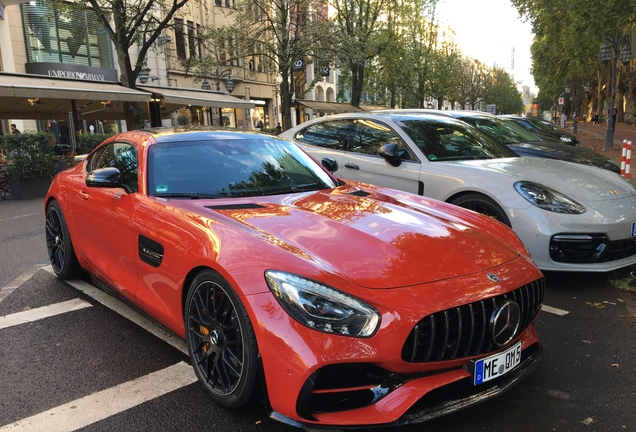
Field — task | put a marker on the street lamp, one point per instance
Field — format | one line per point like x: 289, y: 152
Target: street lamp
x: 610, y: 53
x: 217, y: 76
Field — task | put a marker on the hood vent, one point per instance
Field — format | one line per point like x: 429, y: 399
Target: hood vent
x: 360, y: 193
x: 247, y: 206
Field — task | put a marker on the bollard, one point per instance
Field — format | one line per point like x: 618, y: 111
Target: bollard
x: 628, y: 158
x: 623, y: 156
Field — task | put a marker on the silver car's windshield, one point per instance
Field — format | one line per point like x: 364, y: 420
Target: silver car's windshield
x: 232, y: 168
x: 504, y: 132
x: 447, y: 141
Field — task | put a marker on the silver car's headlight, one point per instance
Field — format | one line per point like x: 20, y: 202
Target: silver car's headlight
x: 322, y: 308
x: 547, y: 198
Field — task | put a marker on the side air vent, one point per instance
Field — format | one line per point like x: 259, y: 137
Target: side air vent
x: 236, y: 206
x: 360, y: 193
x: 150, y: 251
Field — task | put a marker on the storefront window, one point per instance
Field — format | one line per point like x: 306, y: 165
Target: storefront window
x: 70, y: 36
x: 229, y: 117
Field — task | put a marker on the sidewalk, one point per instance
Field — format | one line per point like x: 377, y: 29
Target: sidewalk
x: 593, y: 137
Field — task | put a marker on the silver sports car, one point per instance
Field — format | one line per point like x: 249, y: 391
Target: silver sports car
x: 571, y: 217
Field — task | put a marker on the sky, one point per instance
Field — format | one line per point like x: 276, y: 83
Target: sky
x: 488, y: 30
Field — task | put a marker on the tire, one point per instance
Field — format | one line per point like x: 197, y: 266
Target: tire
x: 221, y: 340
x: 59, y: 245
x: 484, y: 205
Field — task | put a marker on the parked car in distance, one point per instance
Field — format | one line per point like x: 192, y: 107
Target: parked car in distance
x: 525, y: 143
x: 535, y: 124
x: 571, y: 217
x: 342, y: 304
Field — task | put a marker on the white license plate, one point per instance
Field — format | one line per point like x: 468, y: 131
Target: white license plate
x: 497, y: 365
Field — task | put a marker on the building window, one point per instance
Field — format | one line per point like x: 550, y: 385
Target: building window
x: 179, y: 38
x: 199, y: 40
x: 192, y: 45
x: 65, y: 36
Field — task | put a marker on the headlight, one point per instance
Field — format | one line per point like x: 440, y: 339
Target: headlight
x: 567, y: 140
x: 322, y: 308
x: 547, y: 198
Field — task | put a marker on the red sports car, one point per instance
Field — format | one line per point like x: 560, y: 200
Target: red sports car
x: 353, y: 304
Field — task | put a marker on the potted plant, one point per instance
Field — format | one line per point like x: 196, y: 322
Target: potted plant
x: 32, y: 163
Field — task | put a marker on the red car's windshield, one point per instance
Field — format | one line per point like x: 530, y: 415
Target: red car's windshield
x: 231, y: 168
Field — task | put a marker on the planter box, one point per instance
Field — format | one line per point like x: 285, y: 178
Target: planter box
x: 29, y: 187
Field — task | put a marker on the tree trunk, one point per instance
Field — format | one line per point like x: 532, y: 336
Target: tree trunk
x: 286, y: 96
x: 357, y: 80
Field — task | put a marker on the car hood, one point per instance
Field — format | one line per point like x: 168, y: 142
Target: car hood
x: 373, y: 240
x: 566, y: 152
x: 582, y: 183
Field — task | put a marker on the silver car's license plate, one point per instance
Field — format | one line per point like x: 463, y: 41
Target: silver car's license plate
x: 497, y: 365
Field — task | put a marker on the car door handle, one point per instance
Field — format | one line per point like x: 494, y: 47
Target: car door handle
x: 84, y: 195
x: 352, y: 166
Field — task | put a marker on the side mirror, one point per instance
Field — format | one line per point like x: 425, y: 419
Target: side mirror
x: 104, y: 177
x: 331, y: 164
x: 389, y: 153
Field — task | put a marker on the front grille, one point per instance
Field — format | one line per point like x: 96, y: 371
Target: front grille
x: 588, y: 249
x: 464, y: 331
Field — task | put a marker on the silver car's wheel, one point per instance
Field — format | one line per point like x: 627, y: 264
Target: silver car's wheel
x: 221, y: 340
x: 482, y: 204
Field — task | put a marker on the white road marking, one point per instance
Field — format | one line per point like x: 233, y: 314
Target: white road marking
x: 553, y: 310
x: 21, y: 216
x: 122, y: 309
x: 98, y: 406
x: 15, y: 283
x: 42, y: 312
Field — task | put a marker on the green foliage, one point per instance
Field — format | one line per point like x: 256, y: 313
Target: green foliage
x: 501, y: 91
x: 87, y: 142
x: 30, y: 153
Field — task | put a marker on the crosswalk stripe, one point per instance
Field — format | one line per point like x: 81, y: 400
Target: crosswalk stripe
x: 127, y: 312
x: 553, y: 310
x: 98, y: 406
x: 42, y: 312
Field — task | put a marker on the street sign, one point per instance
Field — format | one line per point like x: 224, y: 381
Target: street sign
x: 561, y: 100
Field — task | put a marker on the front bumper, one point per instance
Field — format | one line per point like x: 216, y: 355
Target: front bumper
x: 316, y: 379
x: 434, y: 404
x: 595, y: 241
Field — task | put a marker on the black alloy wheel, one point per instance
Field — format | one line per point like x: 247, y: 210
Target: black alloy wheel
x: 221, y: 340
x: 58, y: 243
x: 482, y: 204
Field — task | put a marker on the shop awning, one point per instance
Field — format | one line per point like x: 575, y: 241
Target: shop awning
x: 39, y: 97
x: 175, y: 97
x: 329, y: 107
x: 374, y: 107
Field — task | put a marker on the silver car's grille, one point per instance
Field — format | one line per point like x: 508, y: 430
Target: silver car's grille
x: 464, y: 331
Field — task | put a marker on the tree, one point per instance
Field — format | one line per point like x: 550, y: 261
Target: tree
x: 362, y: 29
x: 501, y: 90
x: 283, y: 32
x: 128, y: 23
x: 568, y: 36
x: 470, y: 81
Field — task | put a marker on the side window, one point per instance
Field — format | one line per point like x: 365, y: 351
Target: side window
x: 122, y: 156
x: 333, y: 135
x: 370, y: 136
x: 126, y: 163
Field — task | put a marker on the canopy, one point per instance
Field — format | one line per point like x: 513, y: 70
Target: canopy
x: 329, y: 107
x: 40, y: 97
x: 176, y: 97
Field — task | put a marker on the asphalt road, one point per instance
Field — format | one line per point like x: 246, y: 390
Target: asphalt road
x: 96, y: 365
